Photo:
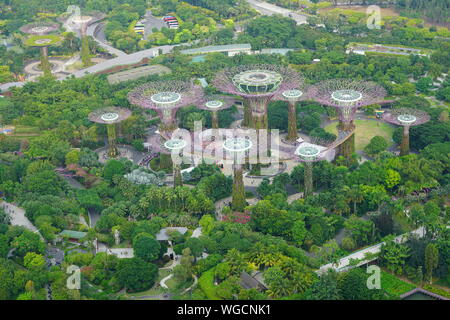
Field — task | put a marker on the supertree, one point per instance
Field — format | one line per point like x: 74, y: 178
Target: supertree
x: 407, y: 118
x: 43, y: 42
x: 257, y: 84
x: 346, y: 96
x: 292, y: 96
x: 79, y: 23
x: 215, y: 103
x: 238, y: 148
x: 110, y: 116
x: 175, y: 147
x: 166, y: 97
x: 308, y: 153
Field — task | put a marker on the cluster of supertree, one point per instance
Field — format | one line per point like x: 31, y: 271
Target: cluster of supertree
x: 258, y: 85
x: 407, y: 118
x: 41, y: 37
x: 346, y: 96
x: 79, y: 23
x: 110, y: 116
x: 166, y: 98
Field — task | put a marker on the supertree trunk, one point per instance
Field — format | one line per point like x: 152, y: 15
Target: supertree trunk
x: 292, y: 123
x: 112, y: 146
x: 259, y: 121
x: 45, y: 64
x: 177, y: 177
x: 308, y: 179
x: 215, y: 120
x: 247, y: 122
x: 238, y: 196
x: 347, y: 148
x: 404, y: 147
x: 85, y: 52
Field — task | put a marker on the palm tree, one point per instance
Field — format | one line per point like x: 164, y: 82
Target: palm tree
x: 355, y: 194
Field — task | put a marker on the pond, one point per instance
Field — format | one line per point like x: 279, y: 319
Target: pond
x: 419, y: 296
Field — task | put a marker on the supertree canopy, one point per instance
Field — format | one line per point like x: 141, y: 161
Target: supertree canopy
x: 238, y: 147
x: 39, y: 28
x: 292, y: 96
x: 346, y: 96
x: 43, y: 42
x: 110, y: 116
x: 407, y: 118
x: 257, y: 84
x: 166, y: 97
x: 215, y: 103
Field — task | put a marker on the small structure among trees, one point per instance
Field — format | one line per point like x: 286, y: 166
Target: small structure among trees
x: 407, y: 118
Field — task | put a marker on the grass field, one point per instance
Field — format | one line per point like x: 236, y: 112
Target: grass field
x: 366, y: 130
x: 394, y: 285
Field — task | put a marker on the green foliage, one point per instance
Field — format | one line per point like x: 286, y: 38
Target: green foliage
x: 136, y: 275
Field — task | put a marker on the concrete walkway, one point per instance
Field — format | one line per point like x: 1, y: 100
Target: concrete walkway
x: 18, y: 218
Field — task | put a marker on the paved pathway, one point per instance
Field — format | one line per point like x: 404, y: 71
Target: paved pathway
x: 271, y: 9
x: 18, y: 218
x: 344, y: 263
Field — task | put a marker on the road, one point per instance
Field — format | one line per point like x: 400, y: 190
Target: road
x: 18, y: 218
x: 271, y: 9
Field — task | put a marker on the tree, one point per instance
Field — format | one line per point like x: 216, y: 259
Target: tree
x: 135, y: 274
x: 146, y: 247
x: 28, y: 242
x: 394, y: 255
x: 195, y: 245
x: 326, y: 288
x: 376, y: 145
x: 207, y: 223
x: 431, y: 260
x: 112, y: 168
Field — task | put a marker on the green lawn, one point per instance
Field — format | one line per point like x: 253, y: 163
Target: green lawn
x: 366, y: 130
x: 394, y: 285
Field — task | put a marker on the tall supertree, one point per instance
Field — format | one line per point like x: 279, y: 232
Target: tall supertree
x: 166, y: 97
x: 175, y: 146
x: 110, y: 116
x: 215, y: 103
x: 407, y: 118
x: 257, y: 84
x: 79, y: 23
x: 238, y: 148
x: 308, y: 153
x: 43, y: 42
x: 346, y: 96
x: 292, y: 97
x: 40, y: 38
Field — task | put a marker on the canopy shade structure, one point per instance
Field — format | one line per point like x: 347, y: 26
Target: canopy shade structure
x: 110, y: 116
x: 166, y: 97
x: 407, y: 118
x: 346, y: 95
x: 43, y: 42
x: 215, y: 103
x: 39, y: 28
